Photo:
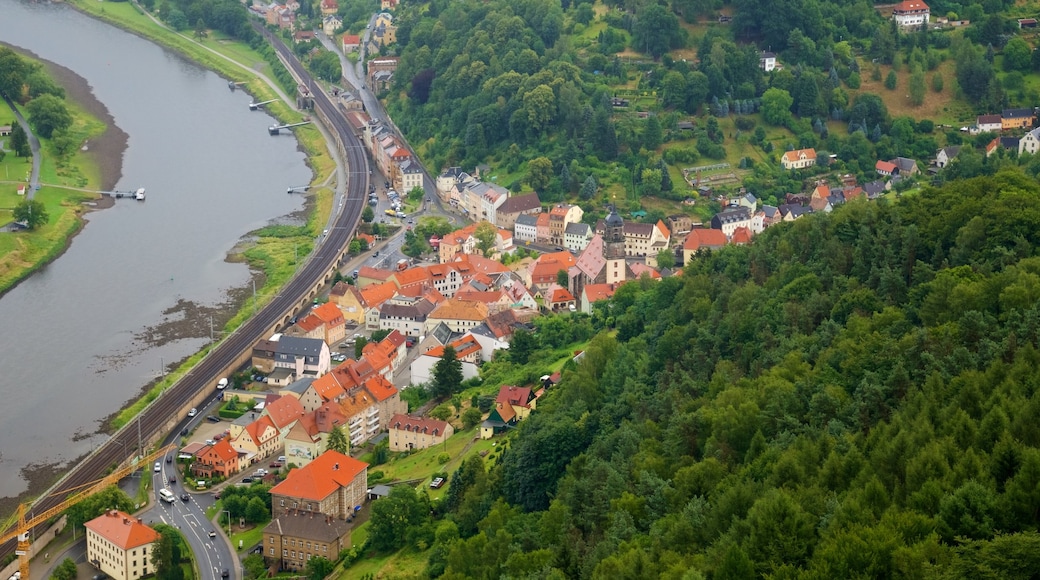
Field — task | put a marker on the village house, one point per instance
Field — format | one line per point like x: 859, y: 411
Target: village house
x: 409, y: 433
x: 302, y: 356
x: 945, y: 155
x: 333, y: 484
x: 576, y: 237
x: 458, y: 315
x: 293, y: 537
x: 351, y: 306
x: 331, y: 24
x: 515, y: 206
x: 1030, y: 142
x: 120, y: 545
x: 351, y: 43
x: 309, y: 436
x: 258, y: 440
x: 407, y: 316
x: 680, y: 224
x: 910, y: 14
x: 559, y: 216
x: 730, y: 219
x: 219, y: 460
x: 766, y: 61
x: 525, y: 229
x: 702, y: 238
x: 592, y: 293
x: 988, y: 124
x: 284, y: 412
x: 468, y: 351
x: 798, y: 159
x: 512, y: 405
x: 1017, y: 119
x: 329, y: 7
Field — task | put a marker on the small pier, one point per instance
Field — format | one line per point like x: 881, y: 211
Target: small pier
x: 298, y: 189
x: 232, y: 85
x: 275, y: 129
x: 137, y: 194
x: 256, y: 106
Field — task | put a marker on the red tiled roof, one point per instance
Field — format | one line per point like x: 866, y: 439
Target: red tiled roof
x: 910, y: 6
x: 596, y: 292
x: 464, y: 346
x: 702, y: 237
x: 284, y: 411
x: 741, y: 236
x: 797, y: 153
x: 374, y: 273
x: 376, y: 294
x: 351, y: 39
x: 885, y: 166
x: 380, y: 388
x: 122, y: 529
x: 418, y: 424
x: 322, y: 477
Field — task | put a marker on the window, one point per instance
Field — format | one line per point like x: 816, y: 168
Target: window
x: 282, y: 503
x: 285, y: 553
x: 271, y: 551
x: 272, y: 539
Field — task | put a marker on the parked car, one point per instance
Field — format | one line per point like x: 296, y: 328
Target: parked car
x: 275, y: 464
x: 213, y: 419
x: 247, y: 480
x: 437, y: 483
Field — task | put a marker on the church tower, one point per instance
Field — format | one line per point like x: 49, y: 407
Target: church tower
x: 614, y: 236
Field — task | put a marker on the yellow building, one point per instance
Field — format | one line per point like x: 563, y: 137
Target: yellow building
x: 119, y: 545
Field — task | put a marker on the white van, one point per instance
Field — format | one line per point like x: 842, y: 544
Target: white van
x: 167, y: 495
x: 222, y: 384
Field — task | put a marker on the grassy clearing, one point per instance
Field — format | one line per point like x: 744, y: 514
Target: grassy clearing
x: 403, y: 564
x: 943, y: 107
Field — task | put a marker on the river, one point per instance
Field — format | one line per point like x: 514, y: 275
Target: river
x: 74, y: 346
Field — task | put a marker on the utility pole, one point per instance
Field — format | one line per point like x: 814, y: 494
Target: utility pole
x: 140, y: 445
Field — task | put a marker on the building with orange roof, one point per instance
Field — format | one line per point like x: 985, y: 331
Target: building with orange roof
x: 559, y: 298
x: 411, y: 277
x: 322, y: 390
x: 120, y: 545
x: 798, y: 159
x: 219, y: 460
x: 467, y: 350
x: 458, y: 315
x: 640, y: 270
x: 702, y: 238
x: 374, y: 297
x: 409, y: 433
x: 309, y: 326
x: 350, y: 43
x: 741, y: 236
x: 333, y: 321
x: 544, y: 270
x: 392, y: 347
x: 284, y: 412
x: 560, y: 216
x: 350, y: 303
x: 359, y: 407
x: 387, y: 403
x: 368, y: 275
x: 258, y: 440
x: 333, y: 484
x: 308, y: 437
x: 911, y: 14
x: 473, y: 264
x: 495, y: 300
x: 516, y: 206
x: 461, y: 241
x: 592, y: 293
x: 542, y: 228
x: 513, y: 404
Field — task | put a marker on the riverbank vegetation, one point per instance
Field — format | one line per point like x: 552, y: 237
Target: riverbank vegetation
x: 62, y: 127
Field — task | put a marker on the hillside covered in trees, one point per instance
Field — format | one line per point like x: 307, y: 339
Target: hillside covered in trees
x: 853, y: 395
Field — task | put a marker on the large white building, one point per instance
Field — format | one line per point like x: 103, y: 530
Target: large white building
x: 120, y: 545
x: 910, y: 13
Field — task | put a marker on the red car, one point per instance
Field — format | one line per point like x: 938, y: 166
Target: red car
x: 276, y: 464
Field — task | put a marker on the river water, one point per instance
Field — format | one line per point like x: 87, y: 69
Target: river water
x: 72, y: 351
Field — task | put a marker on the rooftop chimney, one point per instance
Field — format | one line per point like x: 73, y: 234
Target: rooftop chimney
x: 335, y: 467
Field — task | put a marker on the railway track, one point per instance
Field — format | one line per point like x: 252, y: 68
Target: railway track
x: 173, y: 402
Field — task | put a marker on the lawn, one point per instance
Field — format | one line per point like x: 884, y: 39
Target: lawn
x: 421, y: 464
x: 402, y: 564
x: 943, y: 107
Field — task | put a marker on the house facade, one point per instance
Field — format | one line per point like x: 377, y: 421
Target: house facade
x: 120, y: 545
x: 333, y: 485
x: 798, y: 159
x: 514, y: 207
x: 910, y: 13
x: 219, y: 460
x: 409, y: 433
x: 295, y: 536
x: 525, y: 229
x: 1017, y: 119
x: 576, y: 236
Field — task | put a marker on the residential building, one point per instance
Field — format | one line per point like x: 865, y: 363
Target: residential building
x: 351, y: 43
x: 542, y: 228
x: 368, y: 275
x: 798, y: 159
x: 388, y: 4
x: 910, y: 14
x: 545, y: 269
x: 120, y: 545
x: 790, y: 212
x: 576, y: 237
x: 302, y: 356
x: 307, y: 439
x: 680, y: 224
x: 284, y: 412
x: 405, y: 316
x: 468, y: 351
x: 458, y: 315
x: 1003, y: 143
x: 730, y: 219
x: 592, y: 293
x: 295, y: 536
x: 906, y: 166
x: 945, y: 155
x: 412, y: 175
x: 514, y: 207
x: 701, y: 238
x: 258, y: 440
x: 351, y: 306
x: 219, y: 460
x: 329, y: 7
x: 525, y: 229
x: 988, y: 124
x: 331, y: 24
x: 1030, y: 142
x: 1017, y: 119
x: 559, y: 299
x: 766, y: 61
x: 409, y: 433
x: 885, y: 168
x: 448, y: 179
x: 333, y: 484
x: 559, y: 216
x: 512, y: 405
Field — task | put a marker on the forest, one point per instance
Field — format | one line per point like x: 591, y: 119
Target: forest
x: 854, y: 395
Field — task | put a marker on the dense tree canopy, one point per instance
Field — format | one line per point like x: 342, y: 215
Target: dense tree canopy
x: 852, y: 395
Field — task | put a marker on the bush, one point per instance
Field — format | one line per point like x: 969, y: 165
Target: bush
x: 443, y: 458
x: 744, y: 123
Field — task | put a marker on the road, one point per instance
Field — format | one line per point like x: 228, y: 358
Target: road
x: 174, y: 401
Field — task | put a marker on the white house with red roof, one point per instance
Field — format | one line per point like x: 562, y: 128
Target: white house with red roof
x: 307, y: 439
x: 257, y: 440
x: 798, y: 159
x: 512, y: 405
x: 333, y: 484
x: 120, y: 545
x: 910, y: 13
x: 467, y: 350
x: 284, y: 412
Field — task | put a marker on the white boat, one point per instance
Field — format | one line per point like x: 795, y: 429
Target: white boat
x: 139, y: 194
